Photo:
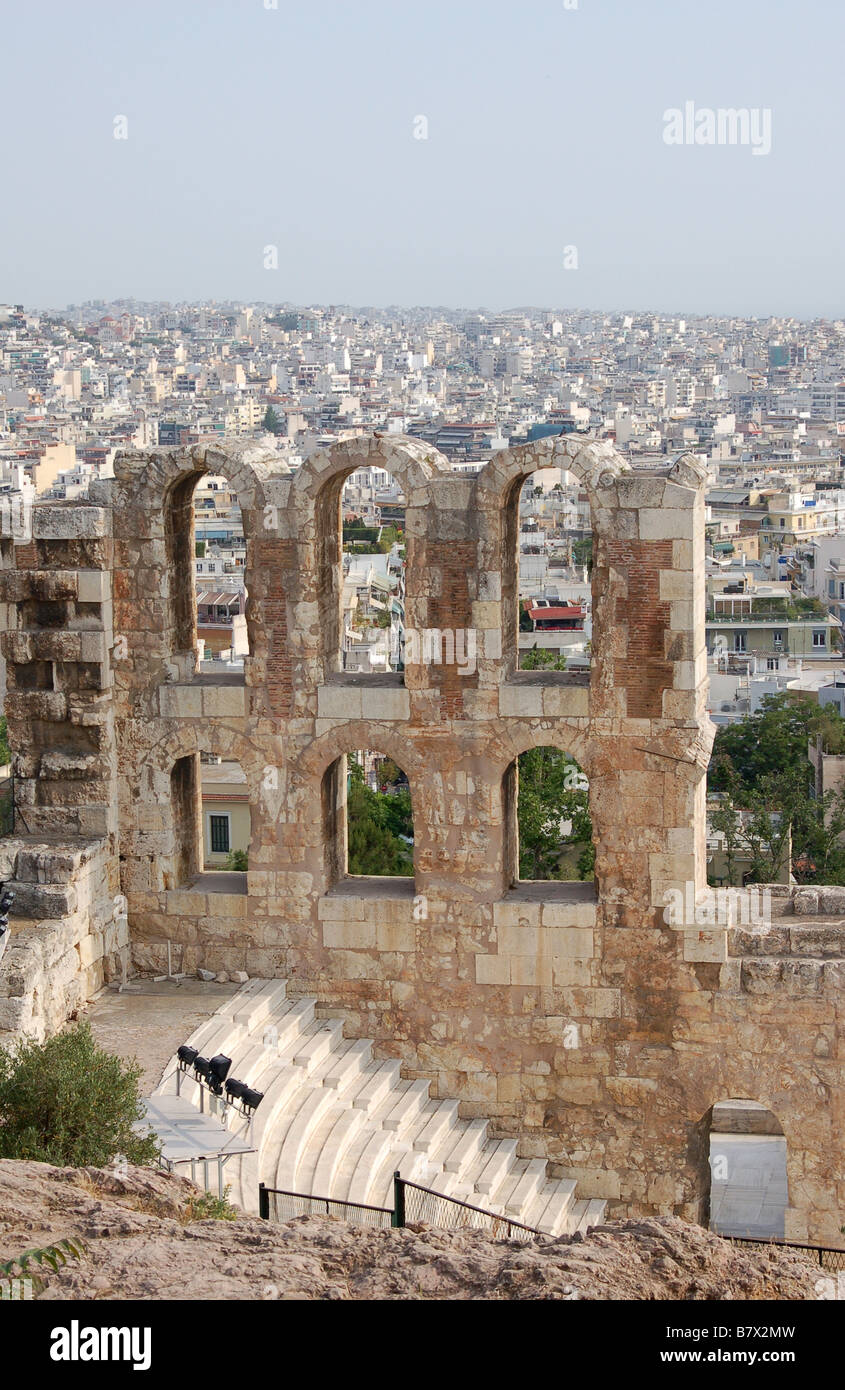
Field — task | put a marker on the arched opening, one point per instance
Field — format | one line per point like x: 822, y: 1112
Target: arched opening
x: 210, y: 808
x: 547, y: 568
x: 748, y: 1182
x: 548, y: 834
x: 368, y: 827
x: 206, y: 556
x: 361, y: 560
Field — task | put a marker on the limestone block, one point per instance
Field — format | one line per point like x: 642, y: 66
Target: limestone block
x: 706, y: 945
x: 53, y: 586
x: 676, y: 585
x: 575, y: 914
x: 16, y: 647
x: 94, y: 647
x: 37, y: 900
x: 342, y: 908
x: 485, y: 615
x: 510, y: 913
x: 521, y: 701
x: 349, y: 936
x: 396, y: 936
x: 385, y: 702
x: 665, y: 523
x: 94, y: 586
x: 90, y: 949
x: 339, y: 702
x: 224, y: 701
x: 531, y: 970
x: 568, y: 971
x: 492, y: 970
x: 182, y: 903
x: 545, y: 942
x: 62, y: 522
x: 226, y: 904
x: 566, y: 701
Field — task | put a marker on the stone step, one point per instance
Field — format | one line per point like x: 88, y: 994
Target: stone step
x: 415, y: 1095
x: 349, y: 1065
x: 529, y: 1184
x: 320, y: 1039
x: 346, y: 1125
x: 439, y: 1122
x: 382, y: 1152
x: 497, y: 1164
x: 298, y: 1135
x: 377, y: 1086
x: 467, y: 1148
x: 551, y: 1209
x: 255, y: 1002
x: 594, y: 1215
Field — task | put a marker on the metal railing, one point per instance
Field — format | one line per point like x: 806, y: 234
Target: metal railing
x: 414, y: 1203
x: 830, y: 1257
x: 411, y: 1204
x: 274, y: 1204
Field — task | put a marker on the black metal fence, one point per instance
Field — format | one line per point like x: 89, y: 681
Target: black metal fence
x: 414, y: 1203
x: 411, y: 1204
x: 274, y: 1204
x: 829, y: 1257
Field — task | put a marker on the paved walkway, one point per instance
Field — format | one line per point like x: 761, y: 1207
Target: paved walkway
x: 153, y: 1020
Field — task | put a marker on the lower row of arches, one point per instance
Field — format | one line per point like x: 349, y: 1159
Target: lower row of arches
x: 367, y: 818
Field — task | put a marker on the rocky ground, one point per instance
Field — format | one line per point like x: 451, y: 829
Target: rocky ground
x: 141, y: 1244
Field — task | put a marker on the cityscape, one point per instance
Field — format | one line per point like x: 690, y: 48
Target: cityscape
x: 422, y: 717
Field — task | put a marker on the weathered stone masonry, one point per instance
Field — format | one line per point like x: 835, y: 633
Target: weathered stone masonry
x: 575, y: 1018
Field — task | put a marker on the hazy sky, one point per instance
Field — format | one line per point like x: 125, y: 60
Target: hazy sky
x: 294, y: 127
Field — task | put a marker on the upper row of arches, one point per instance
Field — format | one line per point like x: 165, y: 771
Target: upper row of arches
x: 259, y: 480
x: 306, y: 506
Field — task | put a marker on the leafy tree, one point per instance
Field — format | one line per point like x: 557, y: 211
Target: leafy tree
x: 69, y: 1102
x: 582, y: 552
x: 541, y: 659
x: 375, y: 821
x: 238, y: 861
x: 5, y: 752
x: 271, y: 421
x: 548, y: 795
x: 760, y: 768
x: 774, y: 738
x: 389, y: 773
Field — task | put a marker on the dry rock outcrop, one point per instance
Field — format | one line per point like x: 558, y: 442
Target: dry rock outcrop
x: 141, y: 1244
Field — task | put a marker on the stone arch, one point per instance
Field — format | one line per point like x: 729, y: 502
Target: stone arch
x: 154, y: 525
x: 317, y: 774
x: 496, y: 498
x: 316, y: 494
x: 148, y: 475
x: 413, y: 464
x: 178, y: 752
x: 567, y: 738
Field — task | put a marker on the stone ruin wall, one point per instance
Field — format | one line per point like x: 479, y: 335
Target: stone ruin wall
x: 473, y: 982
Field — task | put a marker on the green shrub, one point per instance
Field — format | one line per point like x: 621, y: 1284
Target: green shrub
x: 207, y: 1207
x: 238, y: 861
x: 69, y: 1102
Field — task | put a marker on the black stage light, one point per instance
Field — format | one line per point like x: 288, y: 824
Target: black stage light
x: 235, y: 1089
x: 6, y: 900
x: 201, y: 1067
x: 250, y: 1100
x: 219, y: 1067
x: 187, y: 1055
